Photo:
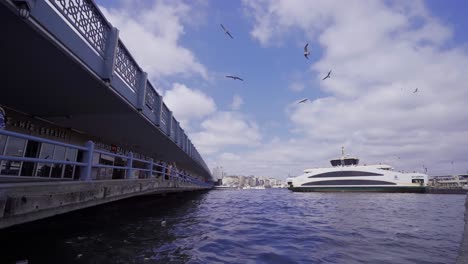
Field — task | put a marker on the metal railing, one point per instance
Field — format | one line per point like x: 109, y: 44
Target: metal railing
x: 147, y: 169
x: 87, y: 19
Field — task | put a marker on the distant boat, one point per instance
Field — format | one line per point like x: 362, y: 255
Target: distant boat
x: 347, y: 175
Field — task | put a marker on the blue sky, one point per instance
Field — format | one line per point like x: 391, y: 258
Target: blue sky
x: 379, y: 52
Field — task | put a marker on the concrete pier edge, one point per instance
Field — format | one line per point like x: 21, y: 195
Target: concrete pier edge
x: 26, y: 202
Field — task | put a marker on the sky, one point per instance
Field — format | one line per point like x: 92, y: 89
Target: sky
x: 379, y: 53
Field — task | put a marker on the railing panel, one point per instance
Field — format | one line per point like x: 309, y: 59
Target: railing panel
x: 87, y: 19
x: 180, y: 139
x: 174, y: 129
x: 126, y: 67
x: 164, y: 118
x: 150, y: 98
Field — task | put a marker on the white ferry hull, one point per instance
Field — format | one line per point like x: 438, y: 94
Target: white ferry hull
x: 358, y: 179
x: 388, y: 189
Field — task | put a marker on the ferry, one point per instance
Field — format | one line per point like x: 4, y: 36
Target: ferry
x: 346, y: 175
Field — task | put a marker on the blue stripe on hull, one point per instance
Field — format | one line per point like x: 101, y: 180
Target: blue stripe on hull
x: 400, y: 189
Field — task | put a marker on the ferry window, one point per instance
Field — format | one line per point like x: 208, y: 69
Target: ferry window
x: 14, y: 147
x: 47, y: 151
x: 345, y: 174
x: 349, y: 182
x: 417, y: 180
x: 351, y: 161
x: 336, y: 163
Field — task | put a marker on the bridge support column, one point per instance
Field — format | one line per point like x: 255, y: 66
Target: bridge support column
x: 158, y: 110
x: 142, y: 90
x: 176, y: 132
x: 110, y: 55
x: 169, y: 124
x: 85, y: 172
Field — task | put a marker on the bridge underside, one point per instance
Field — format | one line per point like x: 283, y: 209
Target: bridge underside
x: 40, y: 78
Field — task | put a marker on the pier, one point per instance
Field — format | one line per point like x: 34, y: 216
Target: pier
x: 84, y: 125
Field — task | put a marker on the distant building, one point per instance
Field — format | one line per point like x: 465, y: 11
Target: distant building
x: 449, y: 181
x: 240, y: 181
x: 218, y: 172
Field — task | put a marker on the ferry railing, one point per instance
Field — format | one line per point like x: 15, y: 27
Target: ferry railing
x: 83, y: 29
x: 151, y: 170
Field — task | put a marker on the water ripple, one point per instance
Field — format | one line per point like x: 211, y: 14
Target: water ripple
x: 269, y: 226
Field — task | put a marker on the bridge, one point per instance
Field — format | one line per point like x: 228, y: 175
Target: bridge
x: 84, y: 124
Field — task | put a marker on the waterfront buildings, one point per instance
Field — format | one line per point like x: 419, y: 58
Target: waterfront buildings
x: 240, y: 181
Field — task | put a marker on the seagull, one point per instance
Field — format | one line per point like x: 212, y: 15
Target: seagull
x: 234, y: 77
x: 163, y: 223
x: 306, y: 51
x: 303, y: 100
x: 415, y: 90
x: 328, y: 75
x: 226, y: 31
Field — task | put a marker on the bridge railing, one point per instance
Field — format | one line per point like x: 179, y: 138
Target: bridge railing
x: 61, y: 168
x: 83, y: 29
x: 87, y: 19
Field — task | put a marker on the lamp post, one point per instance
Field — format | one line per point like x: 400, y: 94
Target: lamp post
x: 24, y: 8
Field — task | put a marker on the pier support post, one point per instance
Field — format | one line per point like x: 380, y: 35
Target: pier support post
x: 130, y: 166
x: 463, y: 249
x: 85, y: 173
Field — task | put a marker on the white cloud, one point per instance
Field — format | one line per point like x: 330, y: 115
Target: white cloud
x: 225, y: 129
x: 237, y: 101
x: 188, y: 104
x: 296, y: 86
x: 152, y: 34
x: 379, y: 52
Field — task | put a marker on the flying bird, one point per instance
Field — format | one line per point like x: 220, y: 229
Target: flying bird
x: 306, y: 51
x: 328, y: 75
x: 415, y: 90
x: 234, y: 77
x: 226, y: 31
x: 303, y: 100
